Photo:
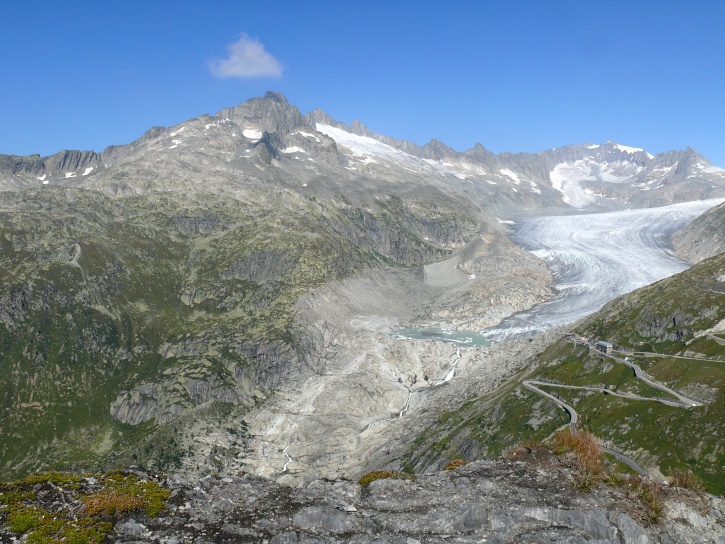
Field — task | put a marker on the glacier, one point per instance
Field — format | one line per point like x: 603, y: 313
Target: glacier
x: 595, y: 258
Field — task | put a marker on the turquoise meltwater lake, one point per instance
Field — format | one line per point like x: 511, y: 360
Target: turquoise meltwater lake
x: 458, y: 338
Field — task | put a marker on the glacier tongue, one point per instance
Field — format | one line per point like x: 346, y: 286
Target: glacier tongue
x: 597, y: 257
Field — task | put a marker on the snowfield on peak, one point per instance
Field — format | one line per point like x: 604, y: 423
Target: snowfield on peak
x: 710, y: 169
x: 363, y: 146
x: 366, y: 149
x: 628, y: 149
x: 567, y: 178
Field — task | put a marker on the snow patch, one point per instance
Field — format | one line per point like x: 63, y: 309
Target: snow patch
x: 70, y: 175
x: 252, y: 133
x: 513, y: 176
x: 88, y: 170
x: 566, y: 178
x: 593, y: 146
x: 444, y: 167
x: 364, y: 146
x: 506, y: 221
x: 293, y: 149
x: 628, y: 149
x: 42, y: 178
x: 711, y: 169
x: 617, y: 172
x: 177, y: 132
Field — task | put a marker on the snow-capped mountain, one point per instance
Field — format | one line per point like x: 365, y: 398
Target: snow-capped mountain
x: 266, y: 140
x: 587, y: 176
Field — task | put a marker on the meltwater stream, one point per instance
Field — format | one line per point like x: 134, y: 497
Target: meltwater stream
x: 595, y: 258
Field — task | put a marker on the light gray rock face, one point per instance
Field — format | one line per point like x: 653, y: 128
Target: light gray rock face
x: 703, y: 238
x: 501, y: 501
x: 272, y: 113
x: 268, y: 140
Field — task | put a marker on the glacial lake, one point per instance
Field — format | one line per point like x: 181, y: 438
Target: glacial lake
x: 458, y: 338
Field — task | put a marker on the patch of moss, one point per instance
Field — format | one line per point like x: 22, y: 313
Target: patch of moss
x: 13, y: 496
x: 370, y: 477
x: 59, y: 478
x: 112, y: 494
x: 453, y: 465
x: 151, y: 495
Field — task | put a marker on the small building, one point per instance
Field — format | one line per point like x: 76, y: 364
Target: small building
x: 604, y: 347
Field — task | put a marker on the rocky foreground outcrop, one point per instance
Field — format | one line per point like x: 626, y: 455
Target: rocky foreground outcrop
x: 486, y: 501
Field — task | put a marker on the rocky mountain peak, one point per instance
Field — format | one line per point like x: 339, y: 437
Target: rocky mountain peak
x: 478, y: 152
x: 271, y: 113
x: 356, y: 127
x: 322, y: 117
x: 437, y: 150
x: 276, y: 97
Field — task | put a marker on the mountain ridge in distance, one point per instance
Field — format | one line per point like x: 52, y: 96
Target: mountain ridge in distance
x: 248, y: 137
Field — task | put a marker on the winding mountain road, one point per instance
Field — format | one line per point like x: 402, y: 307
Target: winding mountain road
x: 686, y: 402
x: 574, y: 418
x: 681, y: 402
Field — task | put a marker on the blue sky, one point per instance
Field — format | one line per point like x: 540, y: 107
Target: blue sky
x: 512, y: 75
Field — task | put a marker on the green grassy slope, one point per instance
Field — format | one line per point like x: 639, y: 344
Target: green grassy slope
x: 668, y: 317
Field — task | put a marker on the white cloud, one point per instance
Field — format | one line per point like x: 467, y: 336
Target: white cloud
x: 247, y: 59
